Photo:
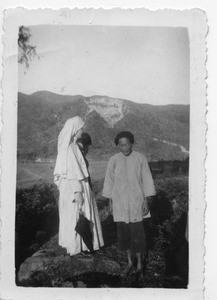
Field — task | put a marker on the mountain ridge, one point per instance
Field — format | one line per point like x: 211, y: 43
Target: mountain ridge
x: 157, y: 129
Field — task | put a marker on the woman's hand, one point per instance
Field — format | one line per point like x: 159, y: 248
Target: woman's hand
x: 145, y: 208
x: 57, y: 180
x: 79, y: 199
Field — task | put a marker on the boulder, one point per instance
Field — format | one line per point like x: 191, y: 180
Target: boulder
x: 52, y: 266
x: 39, y: 262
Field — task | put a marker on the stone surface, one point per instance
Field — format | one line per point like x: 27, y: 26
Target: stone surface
x: 39, y: 262
x: 52, y: 259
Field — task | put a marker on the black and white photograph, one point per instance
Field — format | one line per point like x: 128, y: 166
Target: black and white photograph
x: 103, y: 153
x: 107, y: 109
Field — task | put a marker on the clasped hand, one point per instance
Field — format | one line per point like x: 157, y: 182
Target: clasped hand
x: 79, y: 199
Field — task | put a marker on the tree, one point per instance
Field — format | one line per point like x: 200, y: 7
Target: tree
x: 26, y: 51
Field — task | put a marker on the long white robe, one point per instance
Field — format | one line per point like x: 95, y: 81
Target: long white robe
x: 69, y: 213
x: 71, y: 176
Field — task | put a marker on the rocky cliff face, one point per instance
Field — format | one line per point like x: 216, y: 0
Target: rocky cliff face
x: 110, y: 109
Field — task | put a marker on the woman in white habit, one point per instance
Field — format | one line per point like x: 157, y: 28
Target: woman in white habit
x: 71, y: 177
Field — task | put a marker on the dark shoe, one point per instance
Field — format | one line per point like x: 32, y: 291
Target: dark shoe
x: 86, y: 254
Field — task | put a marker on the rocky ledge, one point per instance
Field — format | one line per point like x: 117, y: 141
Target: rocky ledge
x: 52, y: 266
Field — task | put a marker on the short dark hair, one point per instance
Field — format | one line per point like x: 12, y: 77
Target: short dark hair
x: 124, y: 134
x: 85, y: 139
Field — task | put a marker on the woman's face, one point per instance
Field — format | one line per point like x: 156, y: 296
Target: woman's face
x: 79, y: 133
x: 125, y: 146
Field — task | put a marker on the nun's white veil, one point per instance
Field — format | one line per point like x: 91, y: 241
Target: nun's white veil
x: 69, y: 163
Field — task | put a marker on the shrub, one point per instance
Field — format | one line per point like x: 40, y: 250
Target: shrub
x: 36, y: 211
x: 34, y: 206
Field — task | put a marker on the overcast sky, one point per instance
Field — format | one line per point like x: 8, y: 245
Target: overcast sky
x: 141, y: 64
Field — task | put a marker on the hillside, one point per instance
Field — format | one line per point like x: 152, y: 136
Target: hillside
x: 162, y: 132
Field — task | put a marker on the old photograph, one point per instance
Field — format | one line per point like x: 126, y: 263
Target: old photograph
x: 128, y: 89
x: 103, y: 151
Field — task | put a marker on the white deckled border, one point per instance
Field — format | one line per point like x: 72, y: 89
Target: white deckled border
x: 195, y: 21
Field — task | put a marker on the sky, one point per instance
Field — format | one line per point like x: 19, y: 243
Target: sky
x: 141, y: 64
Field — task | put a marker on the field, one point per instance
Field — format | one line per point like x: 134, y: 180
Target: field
x: 30, y: 173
